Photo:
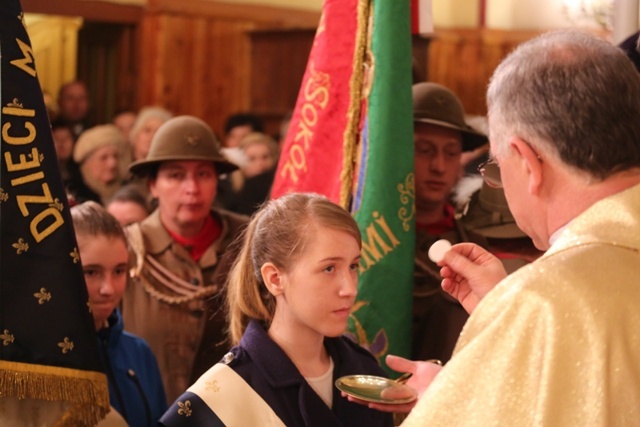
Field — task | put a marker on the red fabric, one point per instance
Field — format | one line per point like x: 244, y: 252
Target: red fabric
x: 415, y: 20
x: 198, y: 245
x: 311, y: 161
x: 446, y: 224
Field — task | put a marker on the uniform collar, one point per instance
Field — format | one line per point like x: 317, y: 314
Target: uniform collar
x: 158, y: 239
x: 269, y: 357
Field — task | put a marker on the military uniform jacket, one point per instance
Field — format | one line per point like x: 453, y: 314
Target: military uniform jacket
x: 437, y: 317
x: 268, y: 370
x: 176, y: 304
x: 556, y: 343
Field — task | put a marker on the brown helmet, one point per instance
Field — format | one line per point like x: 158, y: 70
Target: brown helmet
x: 488, y: 215
x: 435, y: 104
x: 183, y: 138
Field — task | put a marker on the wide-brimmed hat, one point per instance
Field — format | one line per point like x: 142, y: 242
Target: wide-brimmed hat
x: 183, y: 138
x: 435, y: 104
x: 488, y: 215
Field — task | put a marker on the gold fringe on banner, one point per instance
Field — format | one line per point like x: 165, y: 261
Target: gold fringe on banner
x: 86, y: 392
x: 360, y: 77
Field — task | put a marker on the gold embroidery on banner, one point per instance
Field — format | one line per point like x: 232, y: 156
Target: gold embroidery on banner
x: 40, y: 159
x: 212, y: 386
x: 26, y: 63
x: 21, y: 19
x: 3, y: 196
x: 6, y: 337
x: 15, y: 104
x: 56, y: 204
x: 66, y: 345
x: 360, y: 82
x: 43, y: 296
x: 185, y: 408
x: 316, y: 91
x: 21, y: 246
x: 75, y: 255
x: 407, y: 197
x: 378, y: 240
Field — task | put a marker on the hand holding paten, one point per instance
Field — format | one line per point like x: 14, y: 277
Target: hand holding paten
x: 422, y: 375
x: 469, y: 272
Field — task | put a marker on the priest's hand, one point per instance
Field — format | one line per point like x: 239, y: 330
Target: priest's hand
x: 423, y: 374
x: 469, y: 272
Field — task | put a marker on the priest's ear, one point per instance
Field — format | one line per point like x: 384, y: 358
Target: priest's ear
x: 272, y: 277
x: 530, y: 162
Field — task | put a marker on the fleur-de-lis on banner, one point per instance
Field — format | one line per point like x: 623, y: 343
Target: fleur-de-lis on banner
x: 66, y: 345
x: 43, y: 296
x: 3, y: 196
x: 75, y: 255
x: 21, y: 246
x: 6, y: 337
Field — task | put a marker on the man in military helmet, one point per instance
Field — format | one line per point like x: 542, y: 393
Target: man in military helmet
x: 175, y: 298
x: 440, y: 137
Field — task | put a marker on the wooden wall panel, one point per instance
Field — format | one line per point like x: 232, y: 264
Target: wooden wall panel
x: 278, y: 62
x: 195, y: 57
x: 195, y: 63
x: 107, y: 63
x: 464, y: 59
x: 189, y: 65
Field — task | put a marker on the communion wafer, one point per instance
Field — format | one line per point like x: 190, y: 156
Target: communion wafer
x: 438, y: 249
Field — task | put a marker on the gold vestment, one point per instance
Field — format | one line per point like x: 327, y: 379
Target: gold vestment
x: 557, y: 343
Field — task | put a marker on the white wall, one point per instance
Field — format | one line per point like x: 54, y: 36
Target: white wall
x: 456, y: 13
x: 546, y: 14
x: 532, y: 14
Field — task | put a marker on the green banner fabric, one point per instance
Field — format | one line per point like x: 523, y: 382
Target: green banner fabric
x: 48, y: 346
x: 383, y: 199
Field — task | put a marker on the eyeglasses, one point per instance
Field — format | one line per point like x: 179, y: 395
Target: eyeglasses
x: 490, y: 171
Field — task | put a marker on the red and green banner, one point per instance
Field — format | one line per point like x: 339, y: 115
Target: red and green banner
x: 313, y: 156
x: 351, y: 139
x: 48, y: 346
x: 383, y: 196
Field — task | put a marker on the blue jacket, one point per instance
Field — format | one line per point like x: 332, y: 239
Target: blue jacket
x: 135, y: 386
x: 268, y: 370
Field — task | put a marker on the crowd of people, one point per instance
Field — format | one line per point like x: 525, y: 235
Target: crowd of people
x: 527, y: 320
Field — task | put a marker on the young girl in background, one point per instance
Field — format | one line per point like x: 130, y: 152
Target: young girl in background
x: 135, y: 386
x: 289, y: 296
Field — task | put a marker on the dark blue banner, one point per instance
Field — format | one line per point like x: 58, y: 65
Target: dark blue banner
x: 47, y: 339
